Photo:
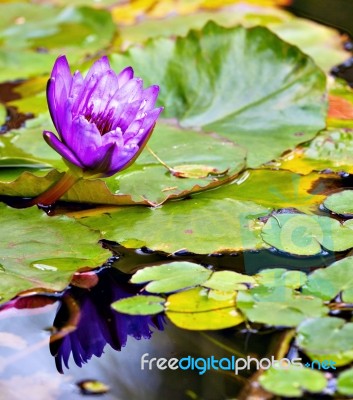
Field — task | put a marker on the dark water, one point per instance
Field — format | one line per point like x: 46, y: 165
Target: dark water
x: 59, y: 332
x: 43, y: 342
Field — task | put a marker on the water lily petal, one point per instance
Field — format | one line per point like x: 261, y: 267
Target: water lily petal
x: 131, y: 91
x: 59, y: 147
x: 125, y: 75
x: 76, y: 85
x: 115, y: 136
x: 62, y: 68
x: 99, y: 68
x: 127, y: 115
x: 104, y: 120
x: 103, y: 92
x: 149, y: 121
x: 86, y: 141
x: 122, y: 157
x: 149, y: 97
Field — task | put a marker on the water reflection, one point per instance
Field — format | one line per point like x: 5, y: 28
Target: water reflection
x: 85, y: 322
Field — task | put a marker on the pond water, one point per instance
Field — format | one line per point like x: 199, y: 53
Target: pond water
x: 53, y: 344
x: 27, y: 331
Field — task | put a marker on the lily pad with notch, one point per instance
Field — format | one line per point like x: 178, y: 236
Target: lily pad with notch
x: 277, y: 97
x: 171, y: 277
x: 306, y: 234
x: 195, y: 309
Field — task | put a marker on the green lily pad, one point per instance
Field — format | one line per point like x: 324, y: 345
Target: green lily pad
x: 278, y: 306
x: 293, y: 381
x: 194, y: 309
x: 196, y: 224
x: 147, y: 181
x: 345, y: 382
x: 340, y: 203
x: 228, y: 281
x: 38, y: 251
x: 2, y: 114
x: 331, y: 149
x: 328, y: 338
x: 32, y: 94
x: 140, y: 305
x: 314, y: 39
x: 276, y: 97
x: 171, y: 277
x: 34, y: 35
x: 274, y: 189
x: 306, y: 234
x: 281, y: 277
x: 327, y: 283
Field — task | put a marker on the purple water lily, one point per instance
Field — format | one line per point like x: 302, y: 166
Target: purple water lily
x: 103, y: 120
x: 85, y: 322
x: 85, y: 329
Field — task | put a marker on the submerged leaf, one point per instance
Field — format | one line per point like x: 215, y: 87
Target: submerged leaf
x: 331, y: 149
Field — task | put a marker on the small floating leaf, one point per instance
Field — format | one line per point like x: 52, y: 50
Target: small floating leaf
x: 306, y: 234
x: 293, y: 381
x: 328, y: 282
x: 345, y: 382
x: 281, y: 277
x: 228, y: 281
x: 93, y: 387
x: 278, y: 306
x: 327, y: 338
x: 194, y: 309
x: 340, y: 203
x: 171, y: 277
x: 140, y: 305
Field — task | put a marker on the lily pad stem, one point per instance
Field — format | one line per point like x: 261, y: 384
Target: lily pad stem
x: 57, y: 190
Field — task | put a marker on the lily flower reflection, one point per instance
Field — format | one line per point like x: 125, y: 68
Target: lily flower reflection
x: 85, y: 322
